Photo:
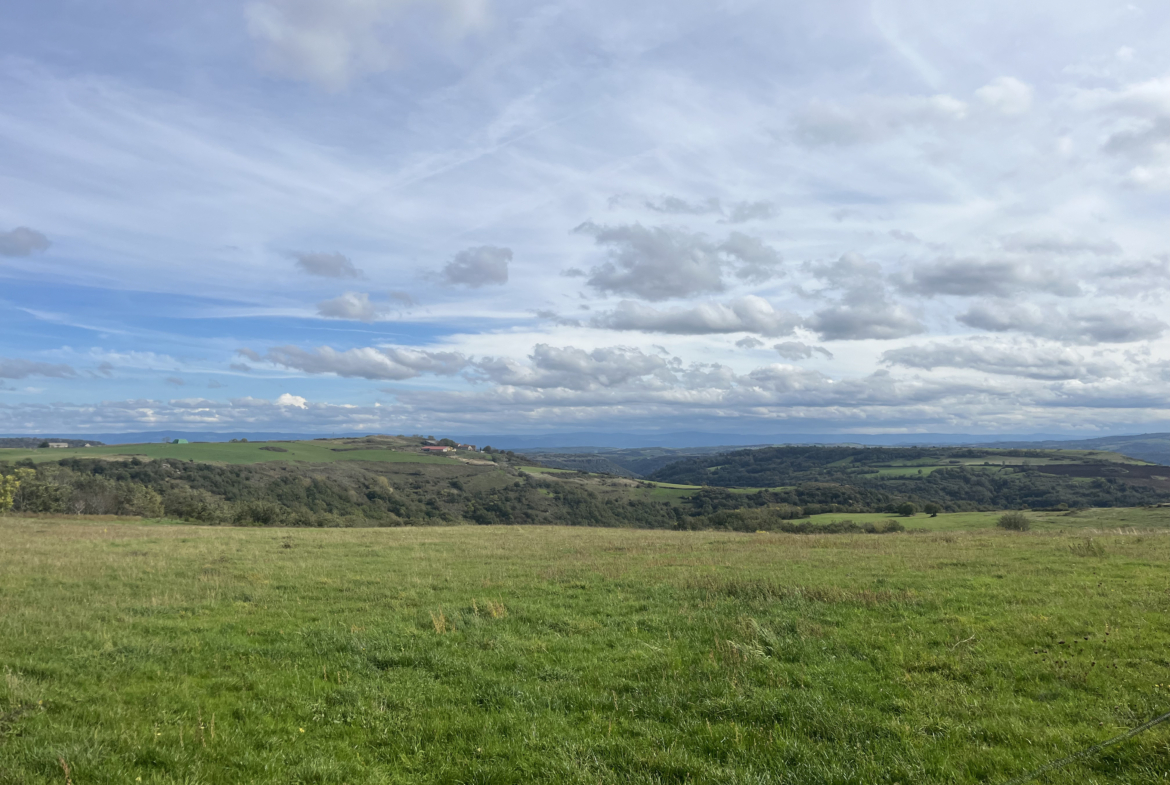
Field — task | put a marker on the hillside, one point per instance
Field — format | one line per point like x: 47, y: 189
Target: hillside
x: 393, y: 481
x: 35, y: 442
x: 1152, y: 447
x: 955, y: 478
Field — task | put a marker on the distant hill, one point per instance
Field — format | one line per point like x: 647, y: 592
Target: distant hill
x: 33, y: 442
x: 1152, y: 447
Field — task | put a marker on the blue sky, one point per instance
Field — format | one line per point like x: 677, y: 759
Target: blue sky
x: 487, y: 216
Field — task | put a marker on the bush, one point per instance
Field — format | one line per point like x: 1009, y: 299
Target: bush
x: 1014, y: 521
x: 932, y: 509
x: 907, y: 509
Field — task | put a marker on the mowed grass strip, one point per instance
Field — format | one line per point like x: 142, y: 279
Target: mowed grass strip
x: 572, y: 655
x: 226, y: 452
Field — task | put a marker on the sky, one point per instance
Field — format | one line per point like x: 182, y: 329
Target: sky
x: 470, y: 216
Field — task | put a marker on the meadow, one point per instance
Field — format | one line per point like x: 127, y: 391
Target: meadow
x: 160, y: 653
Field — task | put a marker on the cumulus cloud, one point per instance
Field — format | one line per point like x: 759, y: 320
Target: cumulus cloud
x: 748, y: 342
x: 11, y: 368
x: 22, y: 241
x: 351, y: 305
x: 994, y: 278
x: 296, y: 401
x: 1084, y: 327
x: 1024, y: 358
x: 575, y: 369
x: 330, y: 42
x: 659, y: 263
x: 856, y: 319
x: 865, y: 310
x: 797, y: 350
x: 1006, y: 95
x: 390, y: 363
x: 757, y: 262
x: 326, y: 265
x: 745, y: 314
x: 485, y: 265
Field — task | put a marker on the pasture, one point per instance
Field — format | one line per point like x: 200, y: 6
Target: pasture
x: 190, y: 654
x: 231, y: 453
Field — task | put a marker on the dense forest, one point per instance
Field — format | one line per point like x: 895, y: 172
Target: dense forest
x: 975, y: 481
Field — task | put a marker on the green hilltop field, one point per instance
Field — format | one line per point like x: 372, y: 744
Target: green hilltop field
x: 136, y: 652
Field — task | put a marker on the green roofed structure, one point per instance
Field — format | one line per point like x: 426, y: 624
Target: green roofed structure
x: 180, y: 441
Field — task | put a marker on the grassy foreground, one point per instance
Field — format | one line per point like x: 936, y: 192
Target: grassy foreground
x: 184, y: 654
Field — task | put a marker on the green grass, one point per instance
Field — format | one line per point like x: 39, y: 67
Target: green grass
x: 226, y: 452
x: 184, y: 654
x: 1098, y: 520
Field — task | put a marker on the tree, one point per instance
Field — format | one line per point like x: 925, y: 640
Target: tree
x: 907, y: 509
x: 43, y: 444
x: 8, y: 485
x: 932, y: 509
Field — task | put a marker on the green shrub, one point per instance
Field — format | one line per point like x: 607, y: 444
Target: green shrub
x: 1014, y: 521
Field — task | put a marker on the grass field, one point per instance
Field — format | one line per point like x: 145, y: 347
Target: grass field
x: 225, y: 452
x: 185, y: 654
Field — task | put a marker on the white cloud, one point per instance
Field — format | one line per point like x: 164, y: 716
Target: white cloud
x: 745, y: 314
x: 351, y: 305
x: 1007, y: 95
x: 292, y: 400
x: 326, y: 265
x: 660, y: 263
x: 389, y: 363
x: 798, y: 350
x: 22, y: 241
x: 1077, y: 326
x: 576, y: 369
x: 485, y: 265
x: 1020, y: 358
x: 983, y: 277
x: 15, y: 368
x: 862, y: 319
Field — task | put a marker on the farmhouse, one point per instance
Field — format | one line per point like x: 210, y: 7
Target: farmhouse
x: 59, y: 445
x: 438, y: 449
